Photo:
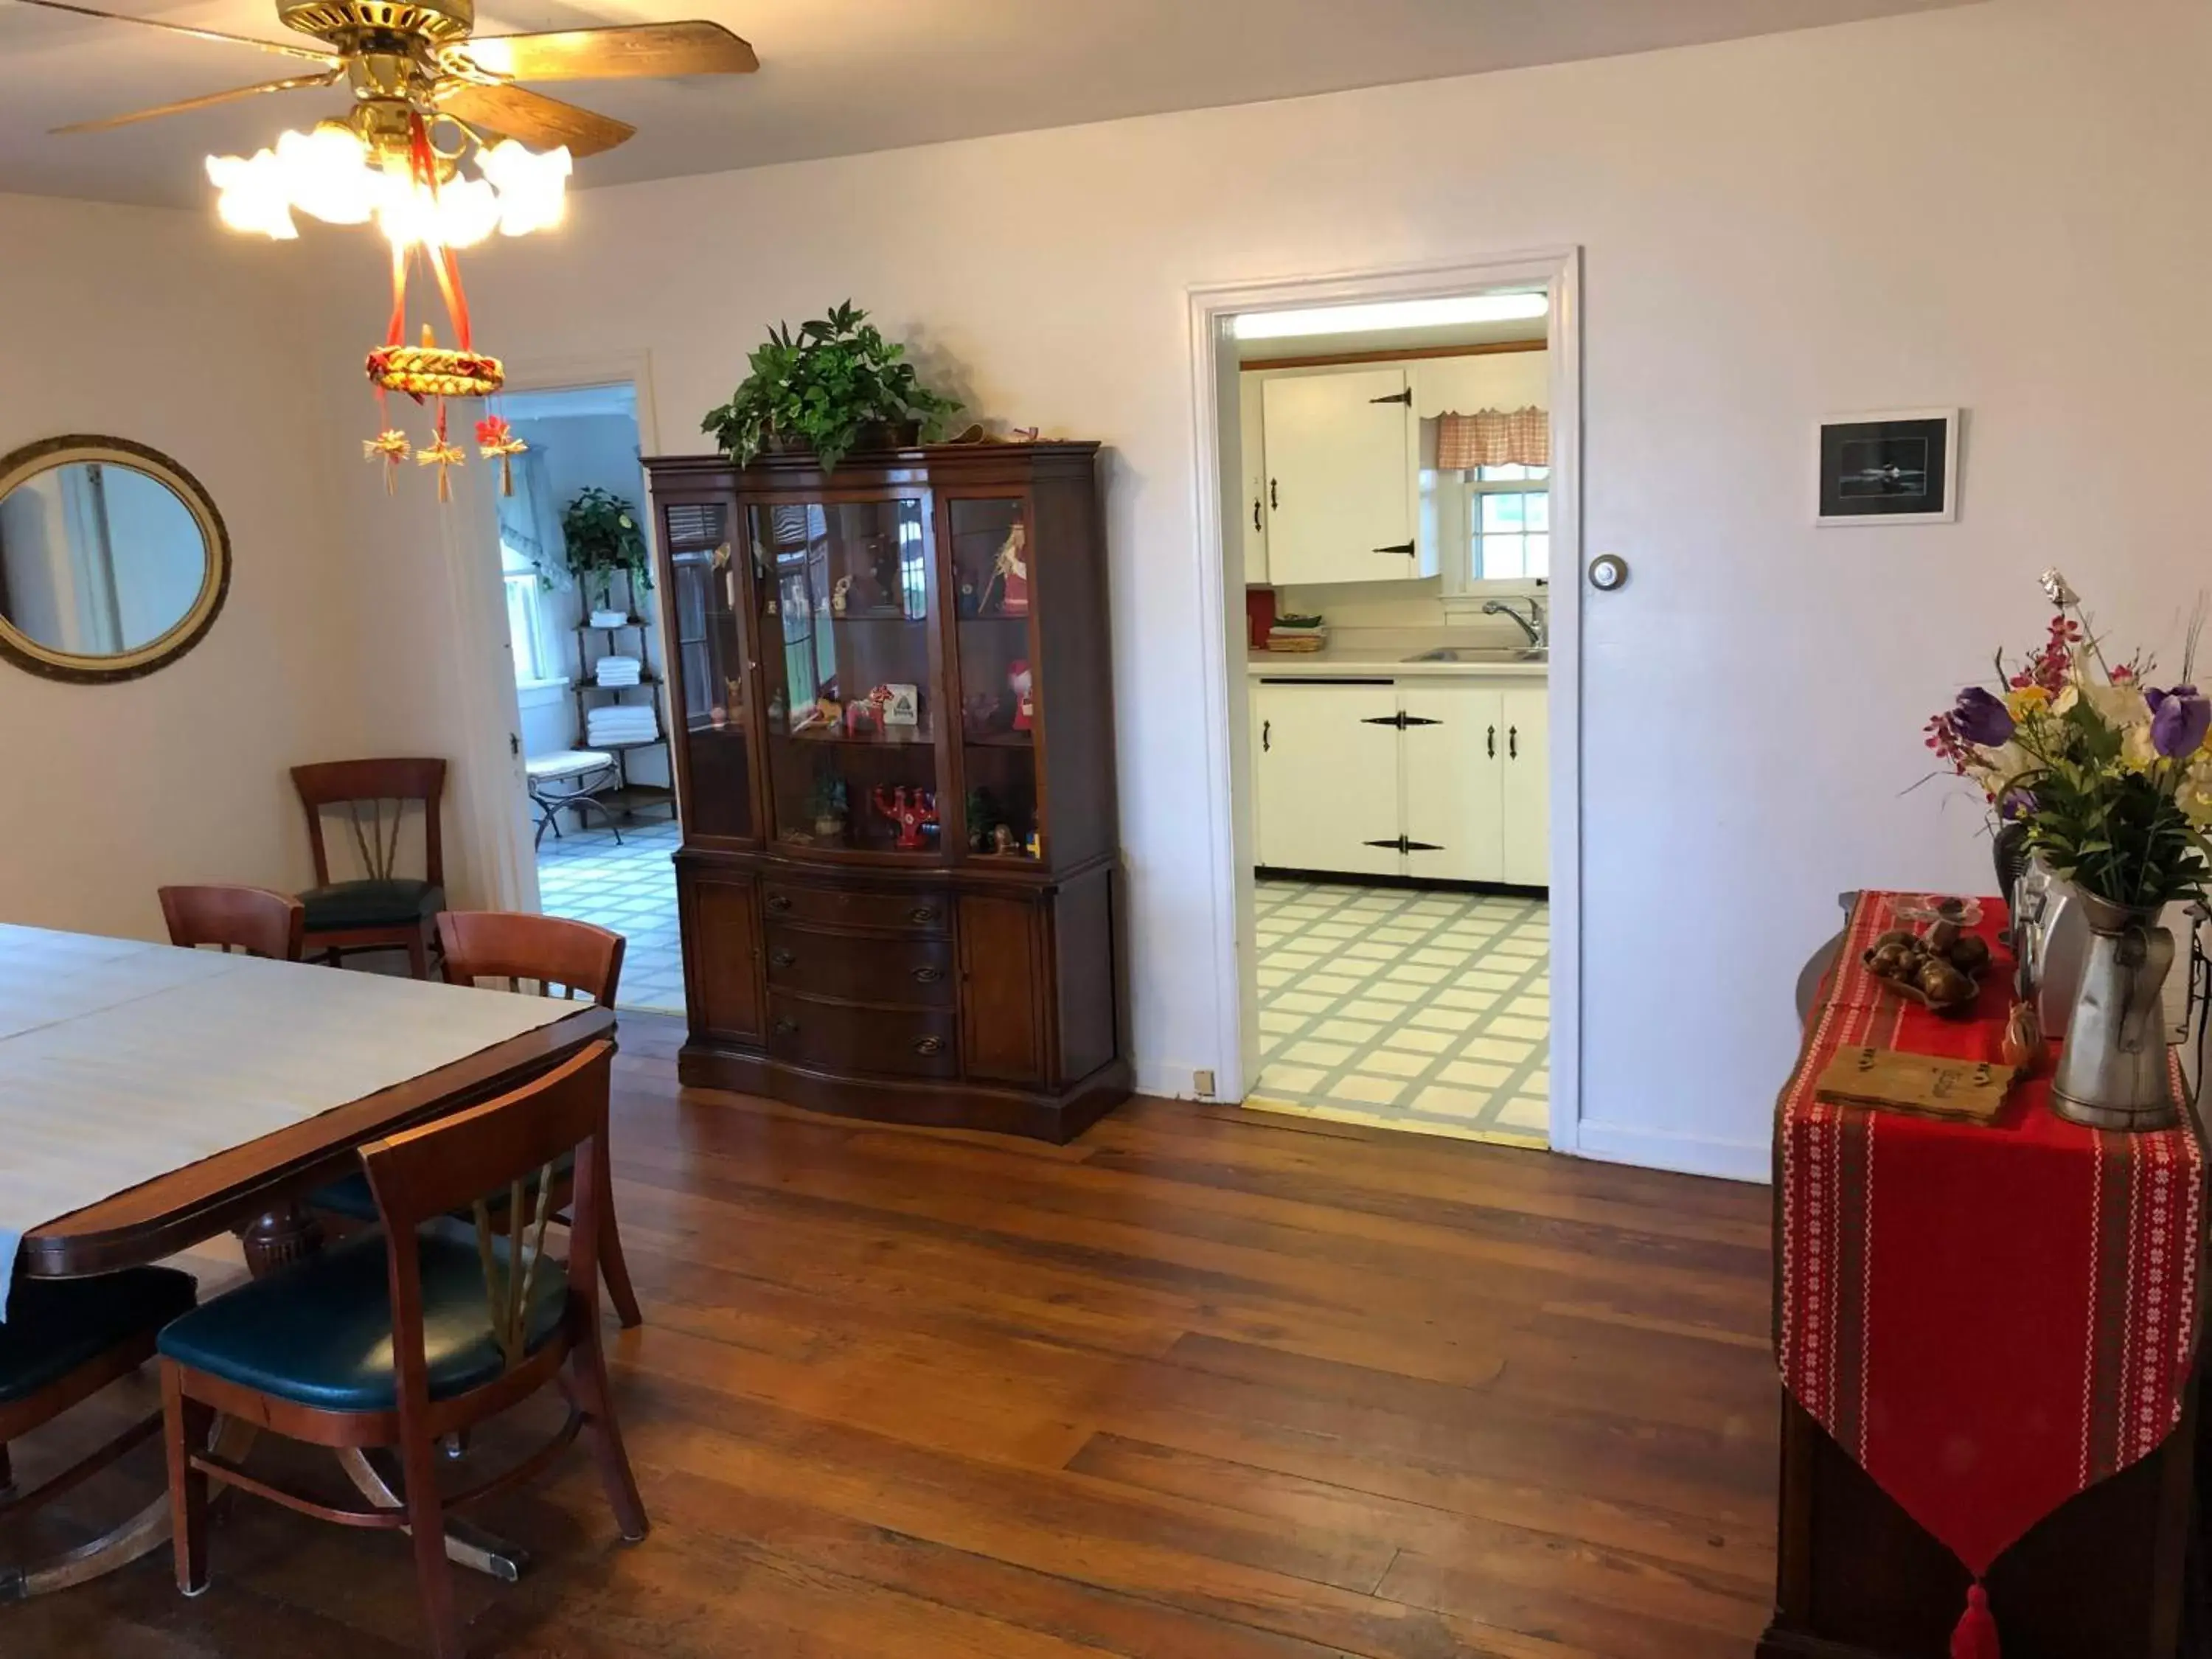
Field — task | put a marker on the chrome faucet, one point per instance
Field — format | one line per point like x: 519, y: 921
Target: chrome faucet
x: 1533, y: 624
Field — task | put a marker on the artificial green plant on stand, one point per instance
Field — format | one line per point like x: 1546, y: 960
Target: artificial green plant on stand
x: 821, y: 388
x: 601, y: 538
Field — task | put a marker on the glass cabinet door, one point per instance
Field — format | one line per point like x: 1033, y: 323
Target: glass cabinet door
x: 999, y: 702
x: 708, y: 657
x: 845, y: 590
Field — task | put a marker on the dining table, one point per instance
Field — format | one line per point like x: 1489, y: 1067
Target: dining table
x: 152, y: 1098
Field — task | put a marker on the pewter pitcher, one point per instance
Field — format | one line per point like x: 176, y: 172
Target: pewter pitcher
x: 2112, y: 1071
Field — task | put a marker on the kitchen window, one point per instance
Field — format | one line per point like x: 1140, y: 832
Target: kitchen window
x: 1509, y: 517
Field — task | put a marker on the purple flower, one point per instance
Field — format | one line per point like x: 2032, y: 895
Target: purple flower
x: 2018, y: 804
x: 1982, y: 719
x: 2178, y: 720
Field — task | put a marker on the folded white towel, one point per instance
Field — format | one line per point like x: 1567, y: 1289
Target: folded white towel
x: 625, y: 722
x: 609, y: 619
x: 615, y: 659
x: 625, y: 677
x: 599, y: 730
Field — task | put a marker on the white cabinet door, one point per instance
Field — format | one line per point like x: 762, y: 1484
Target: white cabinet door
x: 1455, y: 773
x: 1326, y: 776
x: 1341, y: 478
x: 1254, y: 465
x: 1527, y: 788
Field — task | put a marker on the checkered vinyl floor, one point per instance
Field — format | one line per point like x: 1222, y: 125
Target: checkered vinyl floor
x: 630, y: 889
x: 1406, y: 1009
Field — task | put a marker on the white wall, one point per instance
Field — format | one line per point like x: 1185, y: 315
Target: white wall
x: 160, y: 327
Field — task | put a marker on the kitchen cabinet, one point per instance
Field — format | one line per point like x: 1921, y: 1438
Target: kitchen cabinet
x: 1452, y: 758
x: 1326, y: 768
x: 1342, y: 485
x: 1436, y: 778
x: 1254, y: 460
x: 1527, y: 791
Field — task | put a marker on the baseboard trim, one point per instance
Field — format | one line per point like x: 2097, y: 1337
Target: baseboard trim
x: 1727, y: 1160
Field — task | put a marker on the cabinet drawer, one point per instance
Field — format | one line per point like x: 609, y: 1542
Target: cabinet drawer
x: 833, y: 1037
x: 846, y: 907
x: 904, y: 972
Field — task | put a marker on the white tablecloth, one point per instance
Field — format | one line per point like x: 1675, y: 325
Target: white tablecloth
x: 121, y: 1060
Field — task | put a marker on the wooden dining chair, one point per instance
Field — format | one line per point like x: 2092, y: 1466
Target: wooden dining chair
x: 252, y: 920
x: 65, y: 1340
x: 554, y: 957
x: 404, y: 1337
x: 384, y: 910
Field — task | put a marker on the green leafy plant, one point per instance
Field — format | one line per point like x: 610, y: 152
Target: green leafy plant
x: 818, y: 388
x: 601, y: 538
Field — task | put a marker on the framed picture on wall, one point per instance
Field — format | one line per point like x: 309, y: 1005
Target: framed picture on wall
x: 1900, y: 468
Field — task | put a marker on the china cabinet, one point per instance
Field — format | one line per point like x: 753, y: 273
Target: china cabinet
x: 891, y: 705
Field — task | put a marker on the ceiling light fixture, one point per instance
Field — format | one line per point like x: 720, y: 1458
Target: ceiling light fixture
x: 1392, y: 314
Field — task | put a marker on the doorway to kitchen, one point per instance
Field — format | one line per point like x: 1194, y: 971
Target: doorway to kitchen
x: 1393, y: 472
x: 585, y: 624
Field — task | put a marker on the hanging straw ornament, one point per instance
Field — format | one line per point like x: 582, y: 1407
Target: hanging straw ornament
x: 495, y: 440
x: 430, y: 370
x: 391, y: 447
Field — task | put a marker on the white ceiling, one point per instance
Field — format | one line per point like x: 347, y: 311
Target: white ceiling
x: 837, y: 76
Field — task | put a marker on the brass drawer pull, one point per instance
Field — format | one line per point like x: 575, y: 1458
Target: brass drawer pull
x: 779, y: 901
x: 921, y: 914
x: 786, y: 1027
x: 782, y: 958
x: 929, y: 1045
x: 928, y: 975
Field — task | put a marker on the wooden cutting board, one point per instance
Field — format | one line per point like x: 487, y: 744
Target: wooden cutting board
x: 1972, y: 1091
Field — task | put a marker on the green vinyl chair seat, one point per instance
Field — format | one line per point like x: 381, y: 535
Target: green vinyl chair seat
x: 319, y: 1332
x: 56, y: 1325
x: 349, y: 1195
x: 346, y: 905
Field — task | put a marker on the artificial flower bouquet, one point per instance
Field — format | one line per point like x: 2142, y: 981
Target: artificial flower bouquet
x: 2111, y: 776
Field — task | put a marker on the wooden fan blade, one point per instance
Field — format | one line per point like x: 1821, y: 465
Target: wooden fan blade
x: 216, y: 35
x: 538, y: 121
x: 619, y: 52
x: 326, y: 78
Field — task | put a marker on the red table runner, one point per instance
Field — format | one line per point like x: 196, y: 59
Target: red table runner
x: 1989, y: 1318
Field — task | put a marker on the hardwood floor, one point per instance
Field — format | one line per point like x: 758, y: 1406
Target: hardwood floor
x: 1208, y: 1383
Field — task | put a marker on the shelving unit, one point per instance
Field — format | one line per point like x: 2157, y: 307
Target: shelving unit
x: 918, y: 922
x: 627, y: 796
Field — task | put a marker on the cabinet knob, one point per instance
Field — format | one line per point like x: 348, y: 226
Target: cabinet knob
x: 921, y: 914
x: 779, y: 901
x: 782, y: 958
x: 928, y: 975
x: 929, y: 1045
x: 786, y: 1027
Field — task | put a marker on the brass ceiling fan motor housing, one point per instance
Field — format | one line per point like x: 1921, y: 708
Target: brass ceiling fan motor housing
x: 354, y: 24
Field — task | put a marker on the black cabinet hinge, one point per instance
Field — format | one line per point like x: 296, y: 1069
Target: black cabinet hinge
x: 1405, y: 397
x: 1402, y: 845
x: 1406, y: 548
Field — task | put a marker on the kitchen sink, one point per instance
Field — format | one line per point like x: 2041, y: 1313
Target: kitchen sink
x: 1485, y: 654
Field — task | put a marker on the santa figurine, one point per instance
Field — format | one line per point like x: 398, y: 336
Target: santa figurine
x: 1023, y: 684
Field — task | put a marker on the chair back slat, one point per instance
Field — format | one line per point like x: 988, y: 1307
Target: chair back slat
x: 513, y: 948
x: 401, y: 781
x: 252, y: 920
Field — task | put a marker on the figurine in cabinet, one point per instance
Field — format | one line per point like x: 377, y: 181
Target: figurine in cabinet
x: 1010, y: 577
x: 839, y: 595
x: 914, y: 810
x: 1023, y: 684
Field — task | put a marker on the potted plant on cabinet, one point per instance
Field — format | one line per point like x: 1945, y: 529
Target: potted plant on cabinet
x: 835, y: 386
x: 601, y: 539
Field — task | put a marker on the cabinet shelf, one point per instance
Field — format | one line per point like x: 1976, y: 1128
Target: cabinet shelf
x: 829, y: 736
x: 1000, y: 740
x: 611, y: 628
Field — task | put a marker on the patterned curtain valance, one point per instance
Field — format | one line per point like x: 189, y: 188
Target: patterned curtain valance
x: 1493, y: 437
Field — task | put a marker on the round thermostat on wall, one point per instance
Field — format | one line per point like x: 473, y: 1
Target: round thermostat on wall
x: 1608, y: 572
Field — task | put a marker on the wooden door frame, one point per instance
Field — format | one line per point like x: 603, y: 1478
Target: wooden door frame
x: 1217, y: 494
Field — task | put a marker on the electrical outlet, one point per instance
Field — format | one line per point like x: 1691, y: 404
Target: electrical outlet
x: 1202, y: 1082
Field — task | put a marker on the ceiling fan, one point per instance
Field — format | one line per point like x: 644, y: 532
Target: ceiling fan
x: 419, y: 58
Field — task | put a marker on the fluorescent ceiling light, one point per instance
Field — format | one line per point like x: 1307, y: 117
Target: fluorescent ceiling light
x: 1394, y: 313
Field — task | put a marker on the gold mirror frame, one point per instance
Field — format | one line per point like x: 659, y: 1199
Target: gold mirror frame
x: 26, y: 653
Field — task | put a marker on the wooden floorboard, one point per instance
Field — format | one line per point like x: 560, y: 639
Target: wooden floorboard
x: 1207, y: 1383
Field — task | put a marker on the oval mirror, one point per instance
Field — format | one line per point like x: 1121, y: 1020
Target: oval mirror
x: 113, y: 559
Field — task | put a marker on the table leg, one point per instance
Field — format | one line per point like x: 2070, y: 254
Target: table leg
x: 465, y: 1546
x: 141, y: 1534
x: 285, y: 1234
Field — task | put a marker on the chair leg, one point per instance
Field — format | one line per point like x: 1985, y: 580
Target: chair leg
x: 587, y: 1374
x: 616, y: 1268
x: 426, y: 1522
x: 418, y: 955
x: 7, y: 1473
x: 184, y: 1425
